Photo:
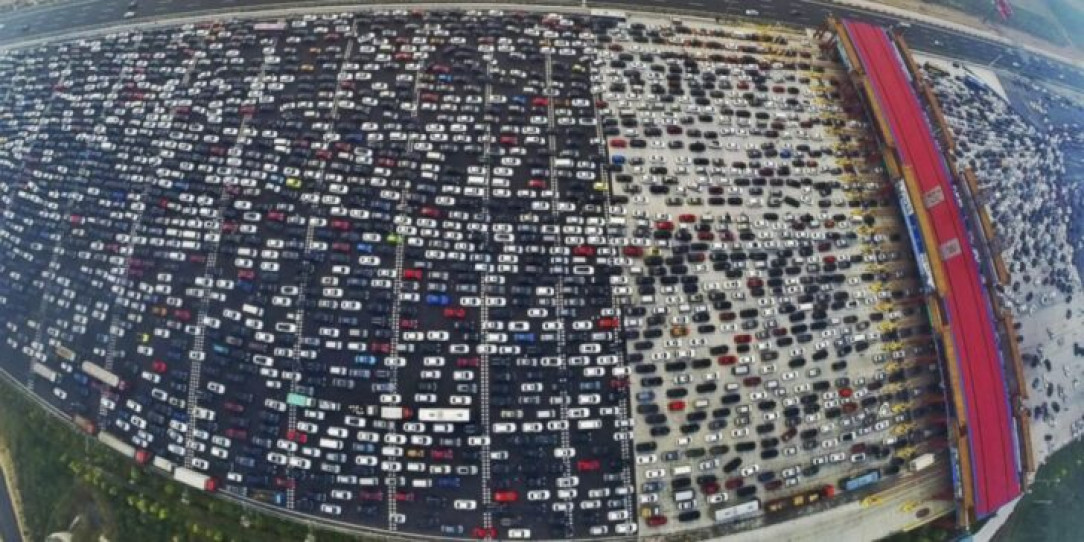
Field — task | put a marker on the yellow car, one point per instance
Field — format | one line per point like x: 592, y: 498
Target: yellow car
x: 293, y: 182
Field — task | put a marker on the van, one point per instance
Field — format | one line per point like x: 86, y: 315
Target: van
x: 684, y: 495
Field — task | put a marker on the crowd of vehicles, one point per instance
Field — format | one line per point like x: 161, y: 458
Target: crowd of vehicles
x: 383, y: 269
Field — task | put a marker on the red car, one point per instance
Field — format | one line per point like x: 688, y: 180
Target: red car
x: 482, y: 533
x: 618, y: 143
x: 371, y: 495
x: 455, y: 312
x: 675, y: 406
x: 406, y: 323
x: 505, y: 495
x: 656, y: 521
x: 664, y: 225
x: 236, y: 433
x: 412, y: 274
x: 632, y: 252
x: 536, y: 183
x: 583, y: 250
x: 404, y: 496
x: 443, y: 453
x: 608, y: 323
x: 465, y: 363
x: 687, y: 218
x: 297, y: 436
x: 588, y: 465
x: 158, y: 366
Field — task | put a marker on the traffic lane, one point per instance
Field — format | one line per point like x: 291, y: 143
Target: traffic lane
x: 930, y: 38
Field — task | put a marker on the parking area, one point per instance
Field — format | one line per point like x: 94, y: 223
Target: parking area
x: 462, y: 273
x: 772, y: 299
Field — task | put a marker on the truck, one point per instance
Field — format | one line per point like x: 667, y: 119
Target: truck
x: 299, y: 400
x: 389, y: 412
x: 41, y: 370
x: 98, y: 373
x: 736, y: 512
x: 65, y: 353
x: 84, y: 424
x: 164, y: 464
x: 194, y: 479
x: 447, y: 415
x: 860, y: 481
x: 117, y: 444
x: 268, y: 496
x: 922, y: 461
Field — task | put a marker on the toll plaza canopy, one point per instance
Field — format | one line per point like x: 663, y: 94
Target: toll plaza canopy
x: 993, y: 451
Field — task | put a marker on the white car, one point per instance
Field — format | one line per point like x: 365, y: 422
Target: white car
x: 465, y: 504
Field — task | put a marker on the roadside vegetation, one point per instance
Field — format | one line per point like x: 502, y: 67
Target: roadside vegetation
x: 63, y: 475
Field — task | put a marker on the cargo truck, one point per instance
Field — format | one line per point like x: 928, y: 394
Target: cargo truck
x: 194, y: 479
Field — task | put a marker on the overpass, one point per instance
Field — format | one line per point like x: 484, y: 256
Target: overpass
x: 963, y: 312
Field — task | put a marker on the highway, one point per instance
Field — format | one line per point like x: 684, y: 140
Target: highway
x: 71, y: 16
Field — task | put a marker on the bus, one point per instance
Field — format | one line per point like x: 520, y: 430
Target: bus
x: 98, y: 373
x: 447, y: 415
x: 299, y: 400
x: 41, y: 370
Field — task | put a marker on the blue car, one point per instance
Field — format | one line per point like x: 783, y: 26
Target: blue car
x: 523, y: 337
x: 440, y: 300
x: 448, y: 482
x: 365, y: 359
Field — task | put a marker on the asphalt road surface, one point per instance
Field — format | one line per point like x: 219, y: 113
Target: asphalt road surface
x: 9, y: 527
x: 74, y: 15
